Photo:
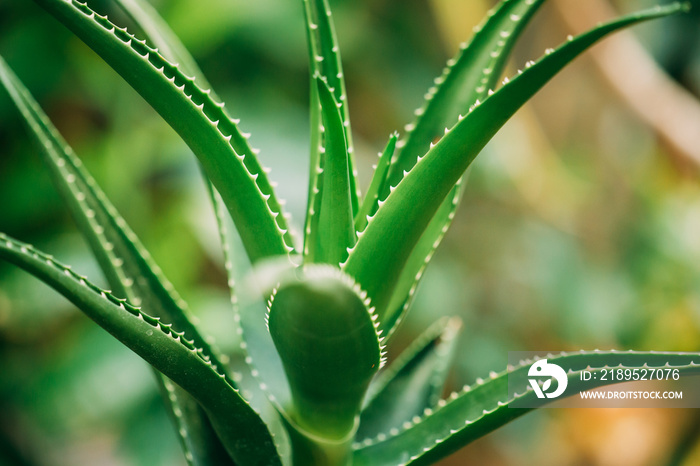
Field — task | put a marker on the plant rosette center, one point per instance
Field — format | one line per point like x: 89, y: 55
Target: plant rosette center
x: 326, y: 336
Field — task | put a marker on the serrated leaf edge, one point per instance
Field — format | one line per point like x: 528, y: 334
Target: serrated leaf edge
x: 212, y: 110
x: 368, y: 442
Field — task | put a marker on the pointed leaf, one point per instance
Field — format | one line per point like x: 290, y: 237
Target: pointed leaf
x: 221, y: 147
x: 324, y: 59
x: 468, y: 77
x: 242, y: 431
x: 413, y: 383
x: 197, y: 437
x: 125, y: 262
x: 383, y: 249
x: 486, y: 406
x: 163, y: 38
x: 379, y: 182
x: 336, y: 232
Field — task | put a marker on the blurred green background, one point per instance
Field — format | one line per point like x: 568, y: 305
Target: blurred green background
x: 580, y: 226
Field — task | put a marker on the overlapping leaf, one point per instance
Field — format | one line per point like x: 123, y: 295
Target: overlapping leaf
x: 127, y: 265
x: 381, y: 252
x: 324, y: 60
x: 200, y: 445
x: 241, y: 430
x: 326, y: 336
x: 223, y: 150
x: 486, y: 406
x: 336, y: 232
x: 249, y: 314
x: 468, y: 78
x: 413, y: 383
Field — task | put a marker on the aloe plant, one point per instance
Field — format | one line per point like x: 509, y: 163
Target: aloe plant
x: 316, y: 389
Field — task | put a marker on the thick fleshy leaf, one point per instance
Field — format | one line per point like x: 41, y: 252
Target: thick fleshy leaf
x: 215, y: 138
x: 197, y: 437
x: 200, y: 445
x: 410, y: 276
x: 127, y: 265
x: 379, y: 182
x: 381, y: 252
x: 413, y: 383
x: 324, y: 61
x: 336, y: 232
x: 249, y: 314
x: 486, y: 406
x: 468, y: 77
x: 162, y: 37
x: 326, y: 337
x: 241, y: 430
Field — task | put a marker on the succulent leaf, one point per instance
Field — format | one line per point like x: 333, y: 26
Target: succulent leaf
x: 163, y: 38
x: 198, y: 439
x: 485, y: 406
x: 197, y: 445
x: 241, y: 430
x: 127, y: 265
x: 324, y: 61
x: 249, y: 314
x: 468, y: 77
x: 379, y: 182
x: 336, y: 232
x: 221, y: 147
x: 326, y: 337
x: 381, y: 252
x: 412, y: 383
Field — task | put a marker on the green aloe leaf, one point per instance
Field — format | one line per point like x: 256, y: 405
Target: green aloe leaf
x: 326, y: 336
x: 412, y: 383
x: 336, y: 232
x: 324, y: 60
x: 411, y: 274
x: 241, y: 430
x: 223, y: 150
x: 468, y: 77
x: 249, y: 314
x: 386, y: 244
x: 486, y: 406
x: 198, y: 438
x: 379, y: 182
x: 256, y: 393
x: 127, y: 265
x: 163, y: 38
x: 201, y: 447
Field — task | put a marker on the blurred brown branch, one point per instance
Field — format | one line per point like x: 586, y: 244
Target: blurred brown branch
x: 672, y: 111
